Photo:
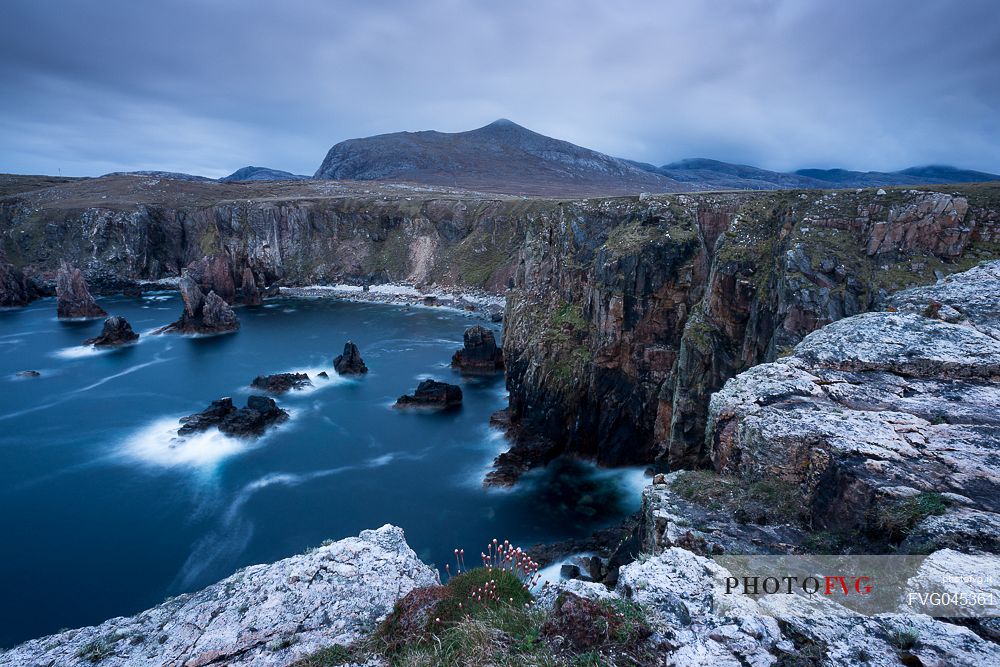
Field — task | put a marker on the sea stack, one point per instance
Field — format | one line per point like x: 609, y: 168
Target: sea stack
x: 249, y: 290
x: 202, y: 314
x: 432, y: 394
x: 74, y: 299
x: 480, y: 354
x: 117, y: 331
x: 213, y: 274
x: 350, y: 362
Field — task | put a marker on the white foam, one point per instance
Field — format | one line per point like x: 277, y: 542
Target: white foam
x: 80, y: 352
x: 158, y: 444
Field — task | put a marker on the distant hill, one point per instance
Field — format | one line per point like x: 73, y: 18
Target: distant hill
x: 500, y: 157
x: 262, y: 174
x: 505, y: 157
x: 173, y: 175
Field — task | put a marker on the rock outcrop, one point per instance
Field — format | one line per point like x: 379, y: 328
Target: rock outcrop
x: 281, y: 382
x: 886, y: 423
x: 480, y: 353
x: 350, y: 362
x: 263, y: 615
x: 202, y: 314
x: 14, y: 289
x: 260, y: 414
x: 214, y: 274
x: 74, y: 299
x: 432, y: 394
x: 249, y: 291
x: 117, y: 331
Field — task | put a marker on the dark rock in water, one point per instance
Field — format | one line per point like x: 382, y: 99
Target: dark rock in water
x: 281, y: 382
x: 432, y: 394
x: 117, y: 331
x: 213, y: 274
x: 528, y: 450
x: 350, y: 362
x: 271, y: 291
x: 260, y: 413
x: 202, y: 314
x: 322, y: 374
x: 14, y: 289
x: 569, y: 571
x: 74, y: 297
x: 480, y: 354
x: 132, y: 291
x: 28, y: 374
x: 249, y: 289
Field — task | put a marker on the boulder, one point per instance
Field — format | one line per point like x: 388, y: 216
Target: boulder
x: 75, y: 301
x: 480, y: 354
x: 116, y: 331
x: 14, y: 289
x: 432, y: 394
x: 350, y: 362
x: 281, y: 382
x: 202, y: 314
x: 250, y: 291
x: 252, y: 421
x: 28, y: 374
x: 262, y: 616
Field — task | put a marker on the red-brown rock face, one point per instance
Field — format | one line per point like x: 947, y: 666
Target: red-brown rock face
x: 74, y: 300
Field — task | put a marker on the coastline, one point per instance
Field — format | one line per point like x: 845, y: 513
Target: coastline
x: 481, y: 303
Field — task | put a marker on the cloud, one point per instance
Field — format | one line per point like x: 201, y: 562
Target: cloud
x: 207, y: 87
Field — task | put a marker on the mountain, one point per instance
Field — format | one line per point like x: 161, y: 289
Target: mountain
x: 713, y: 174
x: 505, y: 157
x: 500, y: 157
x: 262, y: 174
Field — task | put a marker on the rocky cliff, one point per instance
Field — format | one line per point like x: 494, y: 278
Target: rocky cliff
x: 626, y: 315
x: 123, y: 229
x: 263, y: 615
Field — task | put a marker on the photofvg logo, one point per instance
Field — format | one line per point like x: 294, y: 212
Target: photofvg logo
x: 830, y: 585
x: 944, y: 584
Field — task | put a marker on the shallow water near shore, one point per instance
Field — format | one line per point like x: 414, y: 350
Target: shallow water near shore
x: 104, y: 513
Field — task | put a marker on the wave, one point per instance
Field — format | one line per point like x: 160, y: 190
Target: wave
x: 81, y: 352
x: 158, y: 444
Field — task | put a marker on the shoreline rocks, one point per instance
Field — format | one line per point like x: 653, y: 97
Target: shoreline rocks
x: 350, y: 362
x: 269, y: 615
x: 202, y: 314
x: 249, y: 290
x: 281, y: 382
x: 260, y: 414
x: 117, y: 331
x: 432, y: 394
x: 480, y: 353
x: 74, y: 299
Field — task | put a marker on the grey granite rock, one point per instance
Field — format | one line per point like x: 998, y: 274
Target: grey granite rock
x: 263, y: 615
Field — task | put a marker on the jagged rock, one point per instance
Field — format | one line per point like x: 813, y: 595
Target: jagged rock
x: 213, y: 274
x: 74, y: 298
x: 132, y: 291
x: 262, y: 616
x: 249, y: 290
x: 260, y: 414
x: 881, y: 420
x: 480, y: 354
x: 432, y: 394
x: 528, y: 450
x: 281, y: 382
x: 28, y: 374
x: 116, y: 331
x: 202, y: 314
x: 350, y: 362
x: 14, y: 289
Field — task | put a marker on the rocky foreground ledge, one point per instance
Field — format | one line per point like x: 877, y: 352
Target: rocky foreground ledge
x: 263, y: 615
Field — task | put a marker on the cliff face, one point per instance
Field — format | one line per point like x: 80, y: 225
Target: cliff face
x: 627, y: 315
x: 124, y: 229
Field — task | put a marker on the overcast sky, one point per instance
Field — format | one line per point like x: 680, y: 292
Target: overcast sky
x: 91, y: 86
